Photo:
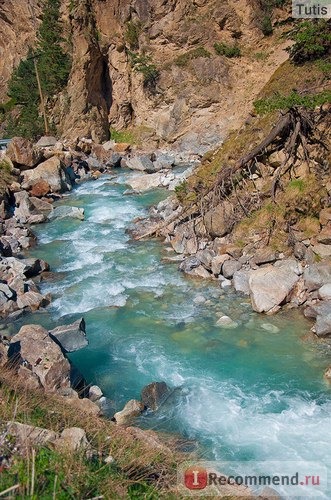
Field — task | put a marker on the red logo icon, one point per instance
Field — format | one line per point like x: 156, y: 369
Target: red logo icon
x: 195, y: 478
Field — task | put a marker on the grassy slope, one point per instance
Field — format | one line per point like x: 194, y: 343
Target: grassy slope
x: 138, y: 471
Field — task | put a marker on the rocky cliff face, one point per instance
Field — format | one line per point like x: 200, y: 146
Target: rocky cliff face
x: 198, y: 96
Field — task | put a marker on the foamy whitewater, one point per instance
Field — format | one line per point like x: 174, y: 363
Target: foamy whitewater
x: 245, y: 395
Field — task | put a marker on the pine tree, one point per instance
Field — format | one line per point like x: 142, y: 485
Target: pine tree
x: 53, y: 67
x: 54, y: 64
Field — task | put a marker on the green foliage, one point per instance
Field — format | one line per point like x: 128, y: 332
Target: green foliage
x: 143, y: 64
x: 5, y: 166
x: 312, y: 41
x: 53, y: 66
x: 324, y: 66
x: 184, y: 59
x: 122, y: 136
x: 181, y: 190
x: 266, y: 8
x: 266, y: 26
x: 133, y: 30
x: 278, y: 101
x: 222, y: 49
x: 261, y: 56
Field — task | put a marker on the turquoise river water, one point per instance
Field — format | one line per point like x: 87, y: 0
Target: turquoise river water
x: 244, y: 394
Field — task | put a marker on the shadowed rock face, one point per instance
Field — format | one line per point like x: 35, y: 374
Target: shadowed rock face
x: 197, y: 98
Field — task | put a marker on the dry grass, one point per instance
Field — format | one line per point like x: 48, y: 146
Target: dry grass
x: 138, y: 468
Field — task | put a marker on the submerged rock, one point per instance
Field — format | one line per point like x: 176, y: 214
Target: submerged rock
x: 226, y: 322
x: 70, y: 337
x: 153, y: 395
x: 64, y: 211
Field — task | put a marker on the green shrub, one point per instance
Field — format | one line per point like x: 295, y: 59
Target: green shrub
x: 312, y: 41
x: 184, y: 59
x: 222, y: 49
x: 133, y: 30
x: 266, y: 26
x: 143, y: 64
x: 278, y: 101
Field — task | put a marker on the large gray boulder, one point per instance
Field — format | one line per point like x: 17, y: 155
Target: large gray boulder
x: 230, y: 267
x: 317, y: 275
x: 322, y: 326
x: 269, y: 286
x: 50, y: 171
x: 241, y: 281
x: 143, y: 163
x: 154, y: 394
x: 70, y: 337
x: 64, y: 212
x: 39, y: 361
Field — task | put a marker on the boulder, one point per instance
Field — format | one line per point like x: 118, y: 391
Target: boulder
x: 269, y: 327
x: 70, y: 337
x: 11, y: 267
x: 241, y: 281
x: 218, y: 221
x: 264, y: 256
x: 50, y: 171
x: 325, y: 235
x: 322, y: 327
x: 200, y: 272
x: 327, y: 374
x: 188, y: 264
x: 84, y: 406
x: 324, y: 292
x: 22, y: 153
x: 41, y: 206
x: 107, y: 146
x: 64, y: 211
x: 269, y: 286
x: 217, y: 263
x: 46, y: 142
x: 144, y: 182
x: 72, y: 439
x: 226, y: 322
x: 206, y: 257
x: 131, y: 410
x: 143, y: 163
x: 317, y: 275
x: 27, y: 436
x: 230, y: 267
x: 38, y: 360
x: 40, y: 188
x: 321, y: 250
x: 184, y: 239
x: 95, y: 393
x: 325, y: 216
x: 154, y: 394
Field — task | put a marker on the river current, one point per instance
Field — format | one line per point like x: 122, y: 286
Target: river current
x: 245, y: 394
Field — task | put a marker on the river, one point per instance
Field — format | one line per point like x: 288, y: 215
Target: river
x: 245, y: 394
